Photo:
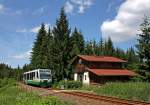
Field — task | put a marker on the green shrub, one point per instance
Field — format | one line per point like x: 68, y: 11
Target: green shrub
x: 88, y: 87
x: 138, y: 79
x: 55, y: 85
x: 69, y: 84
x: 74, y: 84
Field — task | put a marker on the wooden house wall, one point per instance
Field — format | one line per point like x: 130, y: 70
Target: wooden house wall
x: 79, y: 67
x: 104, y: 65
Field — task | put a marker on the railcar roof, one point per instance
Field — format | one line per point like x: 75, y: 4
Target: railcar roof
x: 35, y: 70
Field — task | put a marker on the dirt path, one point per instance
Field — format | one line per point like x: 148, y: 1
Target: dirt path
x: 65, y: 97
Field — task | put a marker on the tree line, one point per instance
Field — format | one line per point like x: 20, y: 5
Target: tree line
x: 54, y: 49
x: 7, y: 71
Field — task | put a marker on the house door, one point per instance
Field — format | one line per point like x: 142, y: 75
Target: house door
x: 80, y: 77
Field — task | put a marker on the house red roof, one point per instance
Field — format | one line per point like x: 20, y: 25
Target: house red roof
x: 100, y: 58
x: 112, y: 72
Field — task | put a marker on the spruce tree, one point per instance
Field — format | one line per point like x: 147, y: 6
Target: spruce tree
x: 120, y: 53
x: 132, y: 59
x: 109, y: 47
x: 77, y: 43
x: 131, y: 55
x: 38, y: 51
x: 94, y: 48
x: 101, y: 47
x: 143, y: 48
x: 26, y: 67
x: 61, y: 47
x: 49, y: 49
x: 89, y: 48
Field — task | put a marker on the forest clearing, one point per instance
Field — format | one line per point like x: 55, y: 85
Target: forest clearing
x: 83, y: 56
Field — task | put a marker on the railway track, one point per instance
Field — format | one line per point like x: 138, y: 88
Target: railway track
x: 113, y: 100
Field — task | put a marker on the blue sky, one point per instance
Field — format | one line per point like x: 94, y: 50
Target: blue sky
x: 20, y: 20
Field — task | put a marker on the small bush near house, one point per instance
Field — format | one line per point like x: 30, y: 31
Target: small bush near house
x: 138, y: 79
x: 69, y: 84
x: 88, y: 88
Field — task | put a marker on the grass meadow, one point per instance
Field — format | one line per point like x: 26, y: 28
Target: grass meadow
x: 11, y: 95
x: 131, y: 90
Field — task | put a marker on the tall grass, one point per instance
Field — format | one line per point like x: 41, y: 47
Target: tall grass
x: 132, y: 90
x: 7, y: 81
x: 11, y: 95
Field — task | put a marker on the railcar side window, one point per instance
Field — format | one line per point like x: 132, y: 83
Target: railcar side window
x: 33, y: 74
x: 30, y: 76
x: 45, y: 75
x: 27, y: 76
x: 37, y: 75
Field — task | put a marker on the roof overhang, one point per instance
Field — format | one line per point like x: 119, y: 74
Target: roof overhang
x: 93, y: 58
x: 112, y: 72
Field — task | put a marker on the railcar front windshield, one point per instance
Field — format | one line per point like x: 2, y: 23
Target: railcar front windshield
x: 45, y: 75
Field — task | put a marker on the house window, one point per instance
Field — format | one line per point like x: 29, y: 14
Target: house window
x: 80, y: 61
x: 85, y: 77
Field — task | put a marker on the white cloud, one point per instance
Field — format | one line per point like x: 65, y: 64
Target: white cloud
x: 36, y: 29
x: 81, y: 9
x: 83, y: 5
x: 68, y: 7
x: 18, y: 12
x: 10, y: 11
x: 79, y: 5
x: 126, y: 23
x: 83, y: 2
x: 79, y: 2
x: 39, y: 10
x: 25, y: 55
x: 7, y: 11
x: 22, y: 30
x: 1, y: 8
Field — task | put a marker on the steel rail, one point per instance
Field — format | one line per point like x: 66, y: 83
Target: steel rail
x: 107, y: 98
